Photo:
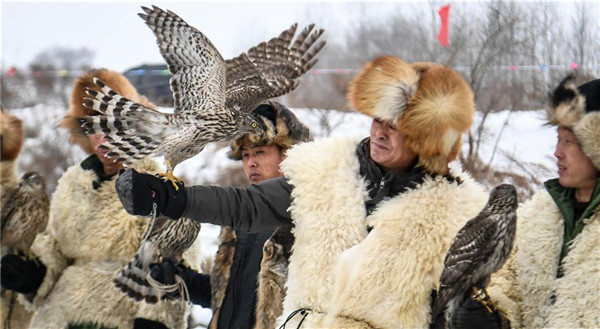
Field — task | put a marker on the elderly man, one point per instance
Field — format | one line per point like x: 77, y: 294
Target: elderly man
x: 373, y: 218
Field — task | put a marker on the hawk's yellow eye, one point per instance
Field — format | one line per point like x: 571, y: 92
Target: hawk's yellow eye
x: 254, y: 125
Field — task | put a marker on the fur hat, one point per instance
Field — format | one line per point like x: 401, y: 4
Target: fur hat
x: 72, y: 120
x: 282, y: 128
x: 578, y: 109
x: 431, y: 104
x: 12, y: 136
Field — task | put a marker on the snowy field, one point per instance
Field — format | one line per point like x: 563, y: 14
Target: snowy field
x: 506, y: 136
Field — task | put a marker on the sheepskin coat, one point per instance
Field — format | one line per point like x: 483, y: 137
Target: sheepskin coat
x: 528, y: 289
x: 349, y: 277
x: 88, y: 239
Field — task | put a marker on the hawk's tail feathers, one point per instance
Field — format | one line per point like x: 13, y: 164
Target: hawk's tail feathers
x: 133, y: 131
x: 132, y: 278
x: 441, y: 303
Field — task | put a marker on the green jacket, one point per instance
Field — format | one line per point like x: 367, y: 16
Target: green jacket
x: 563, y: 197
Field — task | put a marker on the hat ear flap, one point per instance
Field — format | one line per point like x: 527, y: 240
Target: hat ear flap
x: 439, y: 113
x: 383, y: 88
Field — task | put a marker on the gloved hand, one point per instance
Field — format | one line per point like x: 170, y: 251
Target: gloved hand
x: 138, y: 191
x: 21, y: 275
x: 141, y: 323
x: 473, y: 314
x: 198, y: 284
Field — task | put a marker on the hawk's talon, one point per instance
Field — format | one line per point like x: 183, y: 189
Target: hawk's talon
x: 482, y: 296
x: 168, y: 176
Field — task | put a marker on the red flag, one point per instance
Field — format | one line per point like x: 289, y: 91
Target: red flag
x: 443, y: 35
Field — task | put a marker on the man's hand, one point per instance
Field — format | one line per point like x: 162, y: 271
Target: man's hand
x: 198, y: 284
x: 139, y: 191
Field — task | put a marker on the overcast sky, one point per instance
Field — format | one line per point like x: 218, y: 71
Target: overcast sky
x: 121, y: 40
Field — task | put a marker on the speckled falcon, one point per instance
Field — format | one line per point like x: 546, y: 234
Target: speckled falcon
x: 479, y: 249
x: 167, y: 240
x: 24, y: 214
x: 213, y: 97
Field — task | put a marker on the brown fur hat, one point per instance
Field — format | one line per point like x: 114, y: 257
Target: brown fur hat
x: 282, y: 128
x: 116, y: 81
x: 12, y: 135
x: 431, y: 104
x: 578, y: 109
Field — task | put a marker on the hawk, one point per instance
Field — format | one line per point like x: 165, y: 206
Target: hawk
x: 213, y: 97
x: 166, y: 240
x: 24, y: 214
x: 479, y: 249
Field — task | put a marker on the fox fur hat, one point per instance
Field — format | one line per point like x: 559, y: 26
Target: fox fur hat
x: 12, y: 136
x: 578, y: 109
x: 72, y: 120
x: 431, y: 104
x: 282, y: 128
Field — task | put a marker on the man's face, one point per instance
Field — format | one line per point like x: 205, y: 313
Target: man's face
x: 261, y: 162
x: 388, y: 148
x: 110, y: 166
x: 575, y: 169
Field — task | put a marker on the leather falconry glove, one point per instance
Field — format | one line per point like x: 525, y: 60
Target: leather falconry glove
x: 139, y: 191
x: 21, y: 275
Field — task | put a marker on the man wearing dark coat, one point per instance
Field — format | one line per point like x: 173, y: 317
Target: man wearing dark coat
x: 245, y: 289
x: 374, y: 217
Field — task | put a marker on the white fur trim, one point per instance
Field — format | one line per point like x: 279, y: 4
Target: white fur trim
x: 450, y: 138
x: 384, y: 278
x: 394, y: 100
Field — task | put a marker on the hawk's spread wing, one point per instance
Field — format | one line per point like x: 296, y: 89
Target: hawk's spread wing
x: 271, y: 69
x: 197, y: 68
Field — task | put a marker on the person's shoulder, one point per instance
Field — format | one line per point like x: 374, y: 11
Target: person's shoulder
x: 329, y: 144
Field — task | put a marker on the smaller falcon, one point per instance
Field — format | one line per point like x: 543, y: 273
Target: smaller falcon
x: 24, y: 214
x: 479, y: 249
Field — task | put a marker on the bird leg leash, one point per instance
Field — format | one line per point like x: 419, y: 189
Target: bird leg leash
x: 179, y: 285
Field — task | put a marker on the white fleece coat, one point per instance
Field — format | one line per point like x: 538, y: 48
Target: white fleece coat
x: 351, y: 279
x: 88, y: 239
x: 529, y: 279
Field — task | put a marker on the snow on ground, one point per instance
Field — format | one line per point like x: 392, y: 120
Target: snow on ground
x: 519, y: 135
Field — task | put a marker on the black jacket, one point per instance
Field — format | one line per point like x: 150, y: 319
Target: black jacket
x: 237, y: 310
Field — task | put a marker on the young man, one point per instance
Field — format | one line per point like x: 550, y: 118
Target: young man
x: 89, y: 237
x: 232, y: 287
x: 373, y: 218
x: 553, y: 278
